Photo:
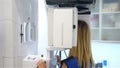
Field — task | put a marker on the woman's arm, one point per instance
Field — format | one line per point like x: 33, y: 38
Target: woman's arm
x: 59, y: 61
x: 64, y: 65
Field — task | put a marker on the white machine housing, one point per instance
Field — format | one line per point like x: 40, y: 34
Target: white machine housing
x: 62, y: 27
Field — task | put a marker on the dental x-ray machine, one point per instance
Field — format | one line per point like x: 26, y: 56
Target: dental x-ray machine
x: 62, y: 30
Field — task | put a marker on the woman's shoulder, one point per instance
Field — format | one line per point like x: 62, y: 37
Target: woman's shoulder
x: 70, y: 62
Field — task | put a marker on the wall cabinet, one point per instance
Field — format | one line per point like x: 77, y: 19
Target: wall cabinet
x: 105, y: 21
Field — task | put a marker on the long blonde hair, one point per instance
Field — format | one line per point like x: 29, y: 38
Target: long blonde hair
x: 83, y: 49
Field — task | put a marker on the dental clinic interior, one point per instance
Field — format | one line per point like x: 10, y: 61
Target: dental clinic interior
x: 31, y: 30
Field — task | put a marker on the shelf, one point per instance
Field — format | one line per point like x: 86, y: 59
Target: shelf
x: 111, y: 12
x: 108, y: 41
x: 106, y: 12
x: 95, y: 40
x: 94, y: 13
x: 110, y: 27
x: 94, y: 28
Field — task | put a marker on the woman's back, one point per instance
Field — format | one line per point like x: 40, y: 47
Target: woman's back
x: 72, y: 62
x: 83, y: 51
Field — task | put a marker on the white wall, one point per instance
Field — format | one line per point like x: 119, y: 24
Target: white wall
x: 25, y: 9
x: 42, y: 28
x: 12, y: 14
x: 4, y: 14
x: 107, y: 51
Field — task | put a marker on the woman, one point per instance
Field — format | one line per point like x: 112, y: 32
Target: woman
x: 82, y: 52
x: 83, y: 49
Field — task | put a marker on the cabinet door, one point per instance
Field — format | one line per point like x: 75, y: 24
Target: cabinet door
x: 95, y: 27
x: 10, y: 38
x: 8, y: 62
x: 111, y: 27
x: 1, y: 43
x: 7, y: 38
x: 63, y: 28
x: 110, y: 24
x: 110, y: 6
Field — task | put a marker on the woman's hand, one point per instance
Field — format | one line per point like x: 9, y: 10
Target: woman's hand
x: 58, y: 59
x: 41, y: 64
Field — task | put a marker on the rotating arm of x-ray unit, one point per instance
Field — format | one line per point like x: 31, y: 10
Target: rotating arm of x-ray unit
x: 84, y: 12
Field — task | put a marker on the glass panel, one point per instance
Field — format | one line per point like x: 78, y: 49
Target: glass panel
x: 111, y: 5
x: 111, y: 20
x: 94, y: 20
x: 95, y: 9
x: 111, y: 34
x: 94, y: 34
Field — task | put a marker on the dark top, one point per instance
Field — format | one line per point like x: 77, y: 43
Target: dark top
x: 72, y: 62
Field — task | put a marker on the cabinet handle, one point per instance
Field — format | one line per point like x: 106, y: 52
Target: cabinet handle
x: 74, y: 26
x: 21, y: 34
x: 62, y: 33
